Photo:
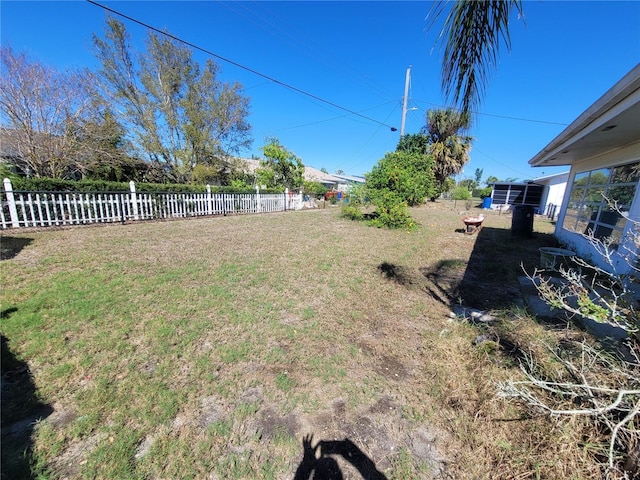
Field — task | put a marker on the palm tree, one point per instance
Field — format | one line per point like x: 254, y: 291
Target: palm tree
x: 449, y: 149
x: 472, y: 33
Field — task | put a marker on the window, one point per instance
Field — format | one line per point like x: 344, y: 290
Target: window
x: 589, y: 212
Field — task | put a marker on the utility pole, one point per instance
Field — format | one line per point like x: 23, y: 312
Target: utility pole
x: 404, y: 103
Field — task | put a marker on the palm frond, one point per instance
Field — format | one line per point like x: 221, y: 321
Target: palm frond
x: 473, y: 32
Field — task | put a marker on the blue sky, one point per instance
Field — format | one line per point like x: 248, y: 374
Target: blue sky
x: 564, y: 56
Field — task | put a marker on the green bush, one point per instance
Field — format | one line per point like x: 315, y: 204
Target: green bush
x: 392, y: 212
x: 58, y: 185
x: 315, y: 189
x: 461, y: 193
x: 407, y: 174
x: 352, y: 212
x: 481, y: 192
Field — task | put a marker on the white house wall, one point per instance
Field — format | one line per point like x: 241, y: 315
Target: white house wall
x: 581, y: 245
x: 555, y: 191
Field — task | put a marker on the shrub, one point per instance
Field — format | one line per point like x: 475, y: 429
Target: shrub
x: 392, y: 212
x: 481, y: 192
x: 315, y: 189
x: 408, y: 175
x: 58, y: 185
x: 461, y: 193
x: 352, y: 212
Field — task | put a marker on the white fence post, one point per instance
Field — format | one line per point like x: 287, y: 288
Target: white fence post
x: 13, y: 211
x: 258, y: 205
x: 134, y: 199
x: 209, y: 200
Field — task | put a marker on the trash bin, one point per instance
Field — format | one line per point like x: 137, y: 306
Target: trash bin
x: 522, y: 221
x: 486, y: 202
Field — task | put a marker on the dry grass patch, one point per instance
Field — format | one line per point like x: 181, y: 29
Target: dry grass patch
x: 208, y: 348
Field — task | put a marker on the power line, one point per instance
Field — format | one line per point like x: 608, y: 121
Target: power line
x: 313, y: 49
x: 329, y: 119
x: 499, y: 163
x: 346, y: 162
x: 255, y: 72
x: 500, y: 116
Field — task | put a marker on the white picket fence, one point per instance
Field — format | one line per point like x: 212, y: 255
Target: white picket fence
x: 44, y: 209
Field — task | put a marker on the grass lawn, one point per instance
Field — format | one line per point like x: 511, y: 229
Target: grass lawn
x: 209, y: 348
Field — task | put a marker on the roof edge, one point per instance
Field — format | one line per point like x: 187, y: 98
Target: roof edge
x: 622, y: 90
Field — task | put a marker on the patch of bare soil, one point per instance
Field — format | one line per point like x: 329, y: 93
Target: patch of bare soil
x: 379, y: 431
x: 68, y: 463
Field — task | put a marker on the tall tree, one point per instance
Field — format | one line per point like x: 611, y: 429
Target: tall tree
x: 478, y: 176
x: 181, y: 115
x: 472, y: 33
x: 281, y: 167
x: 105, y: 151
x: 40, y: 108
x: 447, y: 145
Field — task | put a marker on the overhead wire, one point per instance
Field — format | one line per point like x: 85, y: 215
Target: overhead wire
x: 320, y: 54
x: 302, y: 92
x: 499, y: 163
x: 328, y: 119
x: 346, y: 162
x: 507, y: 117
x: 236, y: 64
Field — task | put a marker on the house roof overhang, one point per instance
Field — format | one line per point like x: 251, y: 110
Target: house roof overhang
x: 612, y: 122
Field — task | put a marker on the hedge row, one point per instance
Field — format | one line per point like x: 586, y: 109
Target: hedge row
x: 57, y: 185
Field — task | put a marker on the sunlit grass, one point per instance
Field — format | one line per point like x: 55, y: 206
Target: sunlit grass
x: 211, y: 346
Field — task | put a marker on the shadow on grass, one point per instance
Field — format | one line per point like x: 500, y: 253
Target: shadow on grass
x: 11, y: 246
x: 487, y: 281
x: 490, y: 281
x: 438, y: 284
x: 326, y: 467
x: 394, y: 272
x: 20, y: 410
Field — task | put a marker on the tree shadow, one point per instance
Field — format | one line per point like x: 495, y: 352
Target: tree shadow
x: 440, y: 282
x: 319, y: 462
x: 490, y: 280
x: 12, y: 246
x: 444, y: 281
x: 396, y: 273
x: 20, y: 410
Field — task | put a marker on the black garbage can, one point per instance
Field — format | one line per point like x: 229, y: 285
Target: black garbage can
x: 522, y: 221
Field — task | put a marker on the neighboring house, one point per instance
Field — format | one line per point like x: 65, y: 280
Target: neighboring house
x: 544, y: 194
x: 351, y: 181
x: 331, y: 182
x: 340, y: 183
x: 602, y: 147
x: 554, y: 188
x: 507, y: 194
